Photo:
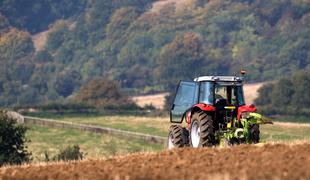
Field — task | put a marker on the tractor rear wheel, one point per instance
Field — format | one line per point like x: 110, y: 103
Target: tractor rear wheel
x: 255, y: 134
x: 202, y: 130
x: 178, y: 137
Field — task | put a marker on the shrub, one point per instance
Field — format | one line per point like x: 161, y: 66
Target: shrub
x: 103, y: 93
x: 70, y: 153
x: 12, y: 141
x: 150, y: 107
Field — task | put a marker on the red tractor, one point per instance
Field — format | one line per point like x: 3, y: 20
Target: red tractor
x: 213, y: 107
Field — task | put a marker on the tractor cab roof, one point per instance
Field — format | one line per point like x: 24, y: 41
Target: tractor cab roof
x: 219, y: 79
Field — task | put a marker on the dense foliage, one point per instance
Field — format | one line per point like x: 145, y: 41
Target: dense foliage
x: 12, y: 141
x: 36, y: 15
x: 145, y: 49
x: 289, y: 96
x: 102, y: 93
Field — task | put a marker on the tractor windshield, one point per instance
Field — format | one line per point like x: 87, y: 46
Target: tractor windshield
x: 221, y: 93
x: 229, y: 94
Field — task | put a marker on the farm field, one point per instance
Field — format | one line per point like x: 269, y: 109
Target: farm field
x: 269, y: 161
x: 159, y: 126
x: 95, y: 145
x: 51, y: 140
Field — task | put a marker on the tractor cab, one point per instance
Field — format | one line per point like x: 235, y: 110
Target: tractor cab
x: 221, y: 93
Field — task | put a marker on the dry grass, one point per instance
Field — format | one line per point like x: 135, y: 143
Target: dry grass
x: 292, y: 125
x: 157, y: 100
x: 158, y: 5
x: 40, y: 39
x: 250, y: 92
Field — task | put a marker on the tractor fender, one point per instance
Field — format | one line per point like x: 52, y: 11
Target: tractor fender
x: 198, y: 107
x: 204, y: 107
x: 243, y: 109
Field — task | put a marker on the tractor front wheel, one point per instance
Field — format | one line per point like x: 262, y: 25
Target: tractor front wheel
x: 202, y: 131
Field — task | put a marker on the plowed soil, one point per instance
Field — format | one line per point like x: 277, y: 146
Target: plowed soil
x: 270, y: 161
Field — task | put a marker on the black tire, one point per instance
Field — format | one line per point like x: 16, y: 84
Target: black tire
x: 205, y: 123
x: 255, y: 133
x: 179, y: 136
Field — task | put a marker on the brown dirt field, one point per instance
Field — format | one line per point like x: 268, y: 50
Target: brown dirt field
x: 270, y: 161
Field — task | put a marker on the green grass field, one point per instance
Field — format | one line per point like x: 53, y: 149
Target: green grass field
x: 281, y: 132
x: 95, y: 145
x: 159, y: 126
x: 147, y: 125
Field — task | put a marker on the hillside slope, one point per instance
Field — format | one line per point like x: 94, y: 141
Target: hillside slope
x: 275, y: 161
x: 146, y: 45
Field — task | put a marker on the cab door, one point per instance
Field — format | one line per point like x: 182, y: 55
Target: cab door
x: 186, y: 96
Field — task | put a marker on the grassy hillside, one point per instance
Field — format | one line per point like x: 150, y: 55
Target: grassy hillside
x: 146, y: 47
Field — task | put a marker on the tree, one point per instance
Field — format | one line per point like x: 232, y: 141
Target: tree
x: 181, y: 59
x: 66, y: 82
x: 289, y: 96
x: 12, y: 141
x: 101, y: 92
x: 120, y: 21
x: 301, y: 83
x: 3, y: 22
x: 15, y: 44
x: 43, y: 56
x: 264, y: 95
x: 147, y: 49
x: 132, y: 77
x: 37, y: 15
x: 282, y: 93
x: 57, y: 37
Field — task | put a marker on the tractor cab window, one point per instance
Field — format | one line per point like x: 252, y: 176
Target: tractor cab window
x: 228, y: 94
x: 186, y: 94
x: 206, y: 94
